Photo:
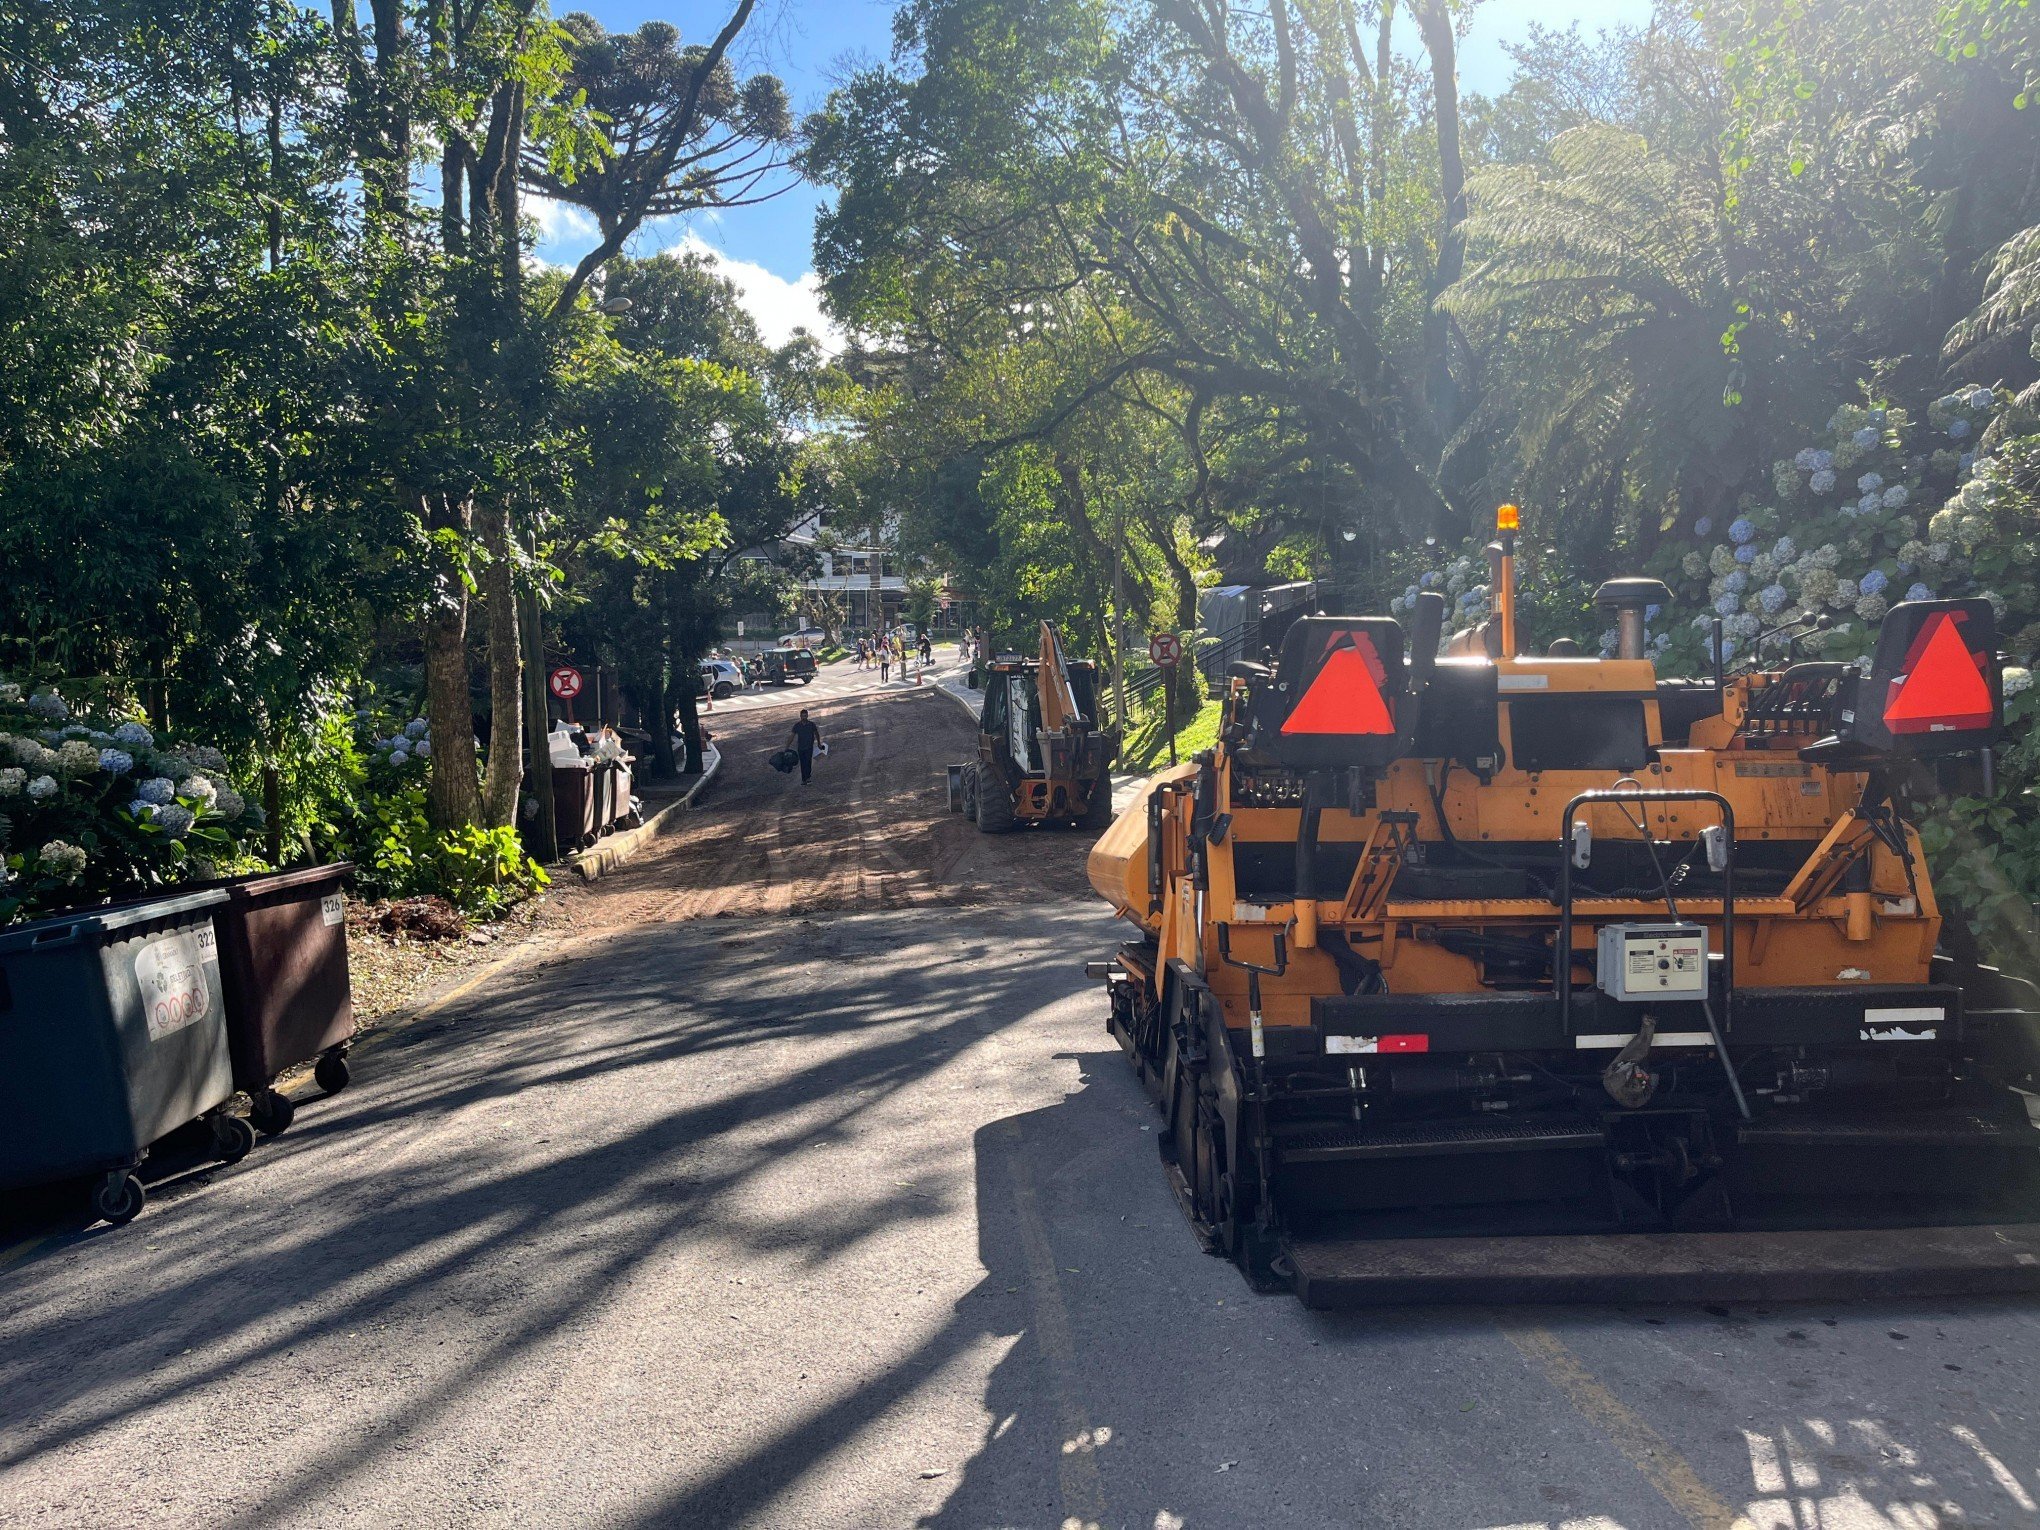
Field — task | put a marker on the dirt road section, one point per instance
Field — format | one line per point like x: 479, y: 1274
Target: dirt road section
x: 872, y: 831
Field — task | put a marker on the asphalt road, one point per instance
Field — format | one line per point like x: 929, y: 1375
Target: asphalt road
x: 854, y: 1219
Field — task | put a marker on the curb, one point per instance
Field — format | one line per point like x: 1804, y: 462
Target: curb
x: 607, y: 854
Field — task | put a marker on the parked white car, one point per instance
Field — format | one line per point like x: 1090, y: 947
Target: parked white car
x: 723, y: 678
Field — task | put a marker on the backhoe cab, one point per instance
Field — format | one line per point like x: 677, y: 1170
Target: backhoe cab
x: 1041, y: 756
x: 1489, y: 975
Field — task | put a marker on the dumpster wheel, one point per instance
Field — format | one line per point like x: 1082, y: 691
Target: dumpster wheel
x: 232, y: 1138
x: 332, y: 1072
x: 117, y: 1199
x: 270, y: 1111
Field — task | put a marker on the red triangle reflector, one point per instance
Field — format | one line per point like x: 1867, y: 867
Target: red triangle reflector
x: 1943, y: 688
x: 1344, y: 696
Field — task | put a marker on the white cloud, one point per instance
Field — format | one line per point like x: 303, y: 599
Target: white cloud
x: 559, y: 223
x: 779, y: 306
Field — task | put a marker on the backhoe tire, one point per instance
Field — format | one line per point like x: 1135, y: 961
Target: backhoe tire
x: 1097, y: 812
x: 994, y: 801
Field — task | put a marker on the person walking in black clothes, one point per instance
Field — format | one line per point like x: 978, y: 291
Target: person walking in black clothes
x: 805, y: 736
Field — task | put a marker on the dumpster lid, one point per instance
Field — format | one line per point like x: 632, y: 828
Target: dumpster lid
x: 265, y: 882
x: 114, y: 916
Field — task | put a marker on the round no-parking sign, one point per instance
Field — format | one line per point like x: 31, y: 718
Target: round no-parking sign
x: 565, y: 682
x: 1165, y: 648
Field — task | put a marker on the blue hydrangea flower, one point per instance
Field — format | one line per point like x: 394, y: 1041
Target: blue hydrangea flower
x: 1650, y: 613
x: 1736, y: 582
x: 1704, y: 526
x: 1865, y: 437
x: 1981, y: 398
x: 423, y: 748
x: 1965, y: 462
x: 133, y: 735
x: 1869, y: 482
x: 1823, y: 460
x: 1806, y: 459
x: 415, y: 728
x: 1822, y: 481
x: 175, y: 819
x: 1786, y: 550
x: 1958, y: 430
x: 1740, y: 529
x: 160, y: 790
x: 1428, y: 579
x: 1727, y: 604
x: 1773, y: 597
x: 1919, y: 592
x: 1896, y: 496
x: 49, y: 706
x: 1747, y: 553
x: 1873, y: 583
x: 116, y: 762
x: 141, y: 811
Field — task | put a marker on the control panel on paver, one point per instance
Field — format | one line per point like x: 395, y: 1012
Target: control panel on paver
x: 1652, y: 961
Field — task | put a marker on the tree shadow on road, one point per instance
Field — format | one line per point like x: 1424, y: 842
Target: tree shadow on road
x: 218, y: 1284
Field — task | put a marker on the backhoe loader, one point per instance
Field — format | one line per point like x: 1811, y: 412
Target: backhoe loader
x: 1500, y: 976
x: 1041, y: 756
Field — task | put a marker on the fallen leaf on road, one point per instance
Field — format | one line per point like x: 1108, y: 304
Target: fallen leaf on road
x: 1226, y: 1466
x: 935, y: 1471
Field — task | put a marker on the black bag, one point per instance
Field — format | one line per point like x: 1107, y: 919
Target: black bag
x: 784, y: 761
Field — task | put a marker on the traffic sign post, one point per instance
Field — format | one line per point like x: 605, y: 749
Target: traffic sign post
x: 1166, y: 649
x: 566, y: 683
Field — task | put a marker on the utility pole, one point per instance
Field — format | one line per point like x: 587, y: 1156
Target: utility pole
x: 1119, y: 624
x: 543, y: 837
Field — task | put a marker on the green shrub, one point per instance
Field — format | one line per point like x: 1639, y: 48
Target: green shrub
x: 482, y: 872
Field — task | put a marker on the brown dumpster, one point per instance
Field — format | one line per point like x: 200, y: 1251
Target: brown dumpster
x: 574, y: 805
x: 283, y: 964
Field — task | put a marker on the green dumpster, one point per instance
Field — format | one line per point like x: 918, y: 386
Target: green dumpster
x: 112, y: 1036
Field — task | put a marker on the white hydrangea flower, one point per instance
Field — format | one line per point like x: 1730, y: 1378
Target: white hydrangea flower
x: 62, y: 860
x: 12, y: 780
x: 2017, y: 678
x: 42, y: 788
x: 199, y: 789
x: 77, y: 757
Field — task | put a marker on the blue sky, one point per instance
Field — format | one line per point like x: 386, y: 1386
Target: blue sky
x: 766, y: 249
